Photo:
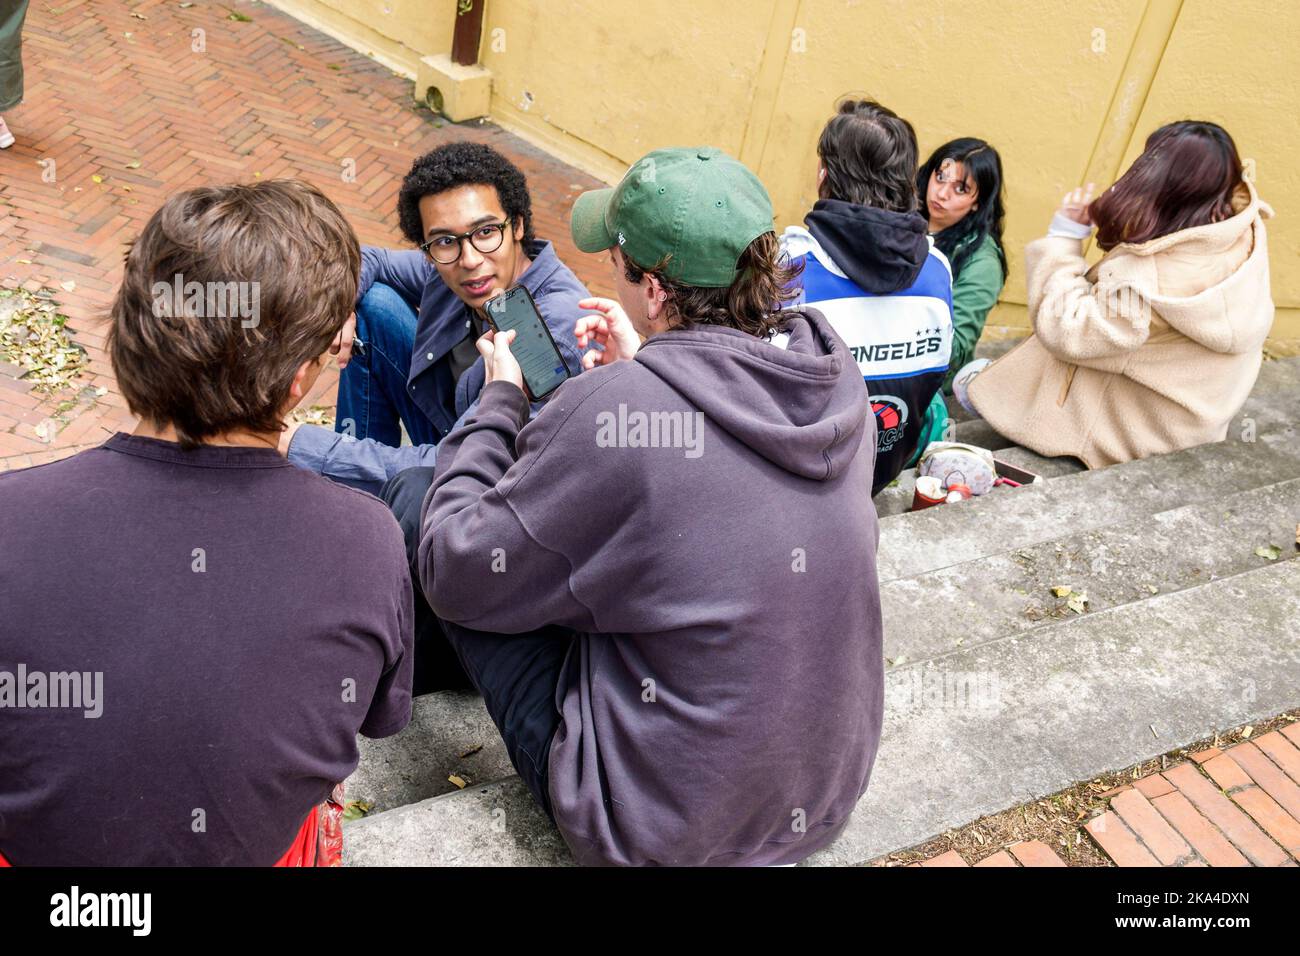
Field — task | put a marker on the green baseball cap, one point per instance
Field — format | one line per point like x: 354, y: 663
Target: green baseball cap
x: 696, y: 207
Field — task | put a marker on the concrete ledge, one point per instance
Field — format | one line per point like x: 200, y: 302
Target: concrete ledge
x: 1075, y: 700
x: 1070, y: 701
x: 497, y: 824
x: 415, y: 764
x: 464, y: 92
x: 1085, y: 501
x: 990, y: 598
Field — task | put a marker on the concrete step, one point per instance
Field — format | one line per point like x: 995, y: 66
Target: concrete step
x: 1010, y: 518
x: 1273, y: 402
x: 415, y: 764
x: 1073, y: 700
x: 977, y: 730
x: 494, y: 824
x: 976, y: 602
x: 926, y: 616
x: 896, y: 498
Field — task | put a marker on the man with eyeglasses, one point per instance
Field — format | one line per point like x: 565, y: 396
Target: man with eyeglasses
x: 413, y: 361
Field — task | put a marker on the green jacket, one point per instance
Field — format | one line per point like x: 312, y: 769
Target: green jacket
x: 973, y: 294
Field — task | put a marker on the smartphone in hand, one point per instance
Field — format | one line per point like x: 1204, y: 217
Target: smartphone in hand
x: 533, y: 348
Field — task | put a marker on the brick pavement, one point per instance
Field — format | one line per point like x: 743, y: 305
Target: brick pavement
x: 121, y: 111
x: 1235, y: 806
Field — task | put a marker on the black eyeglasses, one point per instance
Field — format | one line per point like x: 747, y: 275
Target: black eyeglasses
x: 447, y: 248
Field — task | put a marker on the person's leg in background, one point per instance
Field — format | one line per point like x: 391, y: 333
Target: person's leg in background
x: 12, y: 16
x: 520, y: 677
x: 934, y: 427
x: 373, y: 401
x: 436, y: 665
x: 517, y: 674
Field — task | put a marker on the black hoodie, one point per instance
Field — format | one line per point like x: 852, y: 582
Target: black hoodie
x: 881, y: 251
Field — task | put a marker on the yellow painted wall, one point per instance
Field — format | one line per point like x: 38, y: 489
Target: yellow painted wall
x: 395, y: 32
x: 602, y: 83
x: 1238, y: 64
x: 1066, y: 90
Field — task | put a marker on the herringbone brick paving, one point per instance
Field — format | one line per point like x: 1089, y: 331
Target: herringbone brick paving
x: 1235, y: 806
x: 129, y: 102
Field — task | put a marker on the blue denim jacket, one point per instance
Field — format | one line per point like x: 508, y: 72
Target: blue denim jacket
x: 368, y: 463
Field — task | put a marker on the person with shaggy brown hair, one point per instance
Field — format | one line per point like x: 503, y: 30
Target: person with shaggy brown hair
x: 219, y: 624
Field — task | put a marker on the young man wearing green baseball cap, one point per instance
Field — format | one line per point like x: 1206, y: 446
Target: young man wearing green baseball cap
x: 665, y: 584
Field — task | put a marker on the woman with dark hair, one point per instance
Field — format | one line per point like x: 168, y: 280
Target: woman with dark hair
x: 961, y: 184
x: 1156, y: 347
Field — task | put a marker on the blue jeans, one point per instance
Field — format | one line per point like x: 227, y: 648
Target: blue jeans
x: 372, y: 389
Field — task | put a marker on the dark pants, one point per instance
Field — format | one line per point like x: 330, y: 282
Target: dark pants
x: 519, y: 675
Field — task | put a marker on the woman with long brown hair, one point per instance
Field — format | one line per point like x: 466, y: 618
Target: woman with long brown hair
x: 1155, y: 347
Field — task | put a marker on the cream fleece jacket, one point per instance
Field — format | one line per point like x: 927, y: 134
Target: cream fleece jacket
x: 1153, y: 349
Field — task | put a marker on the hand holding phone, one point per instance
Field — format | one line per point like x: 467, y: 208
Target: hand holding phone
x: 538, y: 359
x: 499, y: 363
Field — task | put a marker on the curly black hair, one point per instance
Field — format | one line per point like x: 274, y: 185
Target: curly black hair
x: 462, y: 164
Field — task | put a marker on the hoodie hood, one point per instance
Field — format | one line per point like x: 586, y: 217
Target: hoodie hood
x: 881, y: 251
x: 803, y: 407
x: 1210, y: 282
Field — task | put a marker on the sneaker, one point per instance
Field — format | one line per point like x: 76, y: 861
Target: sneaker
x: 6, y: 137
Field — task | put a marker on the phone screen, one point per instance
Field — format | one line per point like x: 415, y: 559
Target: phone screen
x: 533, y: 347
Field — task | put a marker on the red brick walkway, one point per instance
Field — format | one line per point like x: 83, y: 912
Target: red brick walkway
x: 1239, y: 806
x: 121, y: 111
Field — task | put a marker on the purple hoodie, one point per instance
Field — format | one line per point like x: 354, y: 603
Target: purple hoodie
x: 702, y: 516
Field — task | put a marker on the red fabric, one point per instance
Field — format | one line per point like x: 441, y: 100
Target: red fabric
x: 320, y: 839
x: 303, y: 850
x: 3, y: 861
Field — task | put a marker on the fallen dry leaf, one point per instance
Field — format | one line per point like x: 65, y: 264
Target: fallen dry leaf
x: 356, y: 809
